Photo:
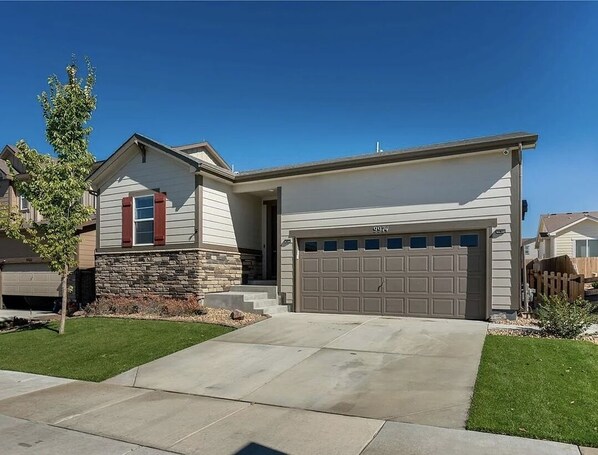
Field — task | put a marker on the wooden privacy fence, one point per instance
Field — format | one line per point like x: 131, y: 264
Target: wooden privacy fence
x: 553, y: 283
x: 586, y: 266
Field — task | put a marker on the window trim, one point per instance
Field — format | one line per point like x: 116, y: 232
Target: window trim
x: 136, y: 220
x: 23, y: 207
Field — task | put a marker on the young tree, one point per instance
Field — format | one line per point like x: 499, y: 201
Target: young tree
x: 55, y: 186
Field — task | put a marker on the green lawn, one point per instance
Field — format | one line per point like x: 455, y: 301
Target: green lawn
x: 537, y: 388
x: 94, y: 349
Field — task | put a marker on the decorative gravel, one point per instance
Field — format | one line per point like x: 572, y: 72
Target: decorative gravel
x: 535, y: 334
x: 218, y: 316
x: 519, y: 321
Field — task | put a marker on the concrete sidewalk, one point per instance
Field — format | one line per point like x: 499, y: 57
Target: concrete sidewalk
x: 80, y: 417
x: 15, y: 383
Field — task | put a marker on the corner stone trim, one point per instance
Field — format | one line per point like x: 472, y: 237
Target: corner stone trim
x: 173, y: 273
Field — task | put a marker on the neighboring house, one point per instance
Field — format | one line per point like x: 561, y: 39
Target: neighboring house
x: 572, y: 234
x: 22, y: 272
x: 529, y: 249
x: 430, y: 231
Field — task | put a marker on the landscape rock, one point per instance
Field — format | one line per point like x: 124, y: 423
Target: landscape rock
x: 237, y: 315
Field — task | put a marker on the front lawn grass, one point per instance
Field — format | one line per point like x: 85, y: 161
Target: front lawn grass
x: 537, y: 388
x: 94, y: 349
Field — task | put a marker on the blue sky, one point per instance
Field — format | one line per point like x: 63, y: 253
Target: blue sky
x: 278, y: 83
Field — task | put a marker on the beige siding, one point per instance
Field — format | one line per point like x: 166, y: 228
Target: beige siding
x: 158, y: 172
x: 230, y: 219
x: 565, y: 241
x: 460, y: 188
x: 86, y: 250
x: 200, y: 154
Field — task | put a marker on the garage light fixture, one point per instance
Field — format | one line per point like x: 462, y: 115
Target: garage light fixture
x: 497, y: 233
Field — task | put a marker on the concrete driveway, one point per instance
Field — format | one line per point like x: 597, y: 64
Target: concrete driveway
x: 400, y: 369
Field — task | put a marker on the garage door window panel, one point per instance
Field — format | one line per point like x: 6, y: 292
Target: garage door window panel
x: 330, y: 245
x: 418, y: 242
x: 311, y: 246
x: 394, y: 243
x: 469, y: 240
x: 443, y: 241
x: 372, y: 244
x: 350, y: 245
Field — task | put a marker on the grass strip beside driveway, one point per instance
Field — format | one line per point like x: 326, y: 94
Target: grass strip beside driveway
x: 95, y: 349
x: 537, y: 388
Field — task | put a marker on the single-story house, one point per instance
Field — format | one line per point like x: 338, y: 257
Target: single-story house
x: 430, y: 231
x: 22, y: 272
x: 572, y: 234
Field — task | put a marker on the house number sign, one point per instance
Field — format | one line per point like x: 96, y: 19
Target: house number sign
x: 380, y: 229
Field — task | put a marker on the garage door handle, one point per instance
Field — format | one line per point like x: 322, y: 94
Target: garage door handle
x: 380, y: 287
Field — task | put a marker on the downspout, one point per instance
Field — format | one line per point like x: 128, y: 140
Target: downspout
x: 524, y: 285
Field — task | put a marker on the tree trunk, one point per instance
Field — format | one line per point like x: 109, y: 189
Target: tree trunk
x: 65, y: 298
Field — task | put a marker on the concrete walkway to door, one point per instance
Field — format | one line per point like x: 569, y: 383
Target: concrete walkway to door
x: 399, y: 369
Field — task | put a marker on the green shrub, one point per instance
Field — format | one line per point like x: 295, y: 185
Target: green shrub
x: 561, y: 318
x: 595, y: 284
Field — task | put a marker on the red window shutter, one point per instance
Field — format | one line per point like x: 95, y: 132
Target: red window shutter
x: 159, y: 219
x: 127, y: 227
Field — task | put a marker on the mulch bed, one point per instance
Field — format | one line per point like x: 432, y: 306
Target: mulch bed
x: 16, y: 324
x: 217, y: 316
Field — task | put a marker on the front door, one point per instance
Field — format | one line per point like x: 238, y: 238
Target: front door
x: 271, y: 243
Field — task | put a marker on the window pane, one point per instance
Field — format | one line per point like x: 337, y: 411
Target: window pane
x: 145, y: 226
x: 144, y: 201
x: 418, y: 242
x: 311, y: 246
x: 394, y: 244
x: 350, y: 245
x: 372, y: 244
x: 144, y: 214
x: 581, y: 249
x: 329, y: 245
x: 443, y: 241
x: 593, y: 248
x: 144, y: 232
x: 469, y: 240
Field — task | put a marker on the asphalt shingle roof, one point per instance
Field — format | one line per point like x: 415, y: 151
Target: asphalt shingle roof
x: 554, y: 221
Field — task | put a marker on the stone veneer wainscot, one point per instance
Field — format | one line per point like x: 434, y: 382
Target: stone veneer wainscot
x: 173, y: 273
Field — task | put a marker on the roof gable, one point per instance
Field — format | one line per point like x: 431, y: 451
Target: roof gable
x: 205, y: 147
x: 136, y: 143
x: 556, y: 222
x: 9, y: 154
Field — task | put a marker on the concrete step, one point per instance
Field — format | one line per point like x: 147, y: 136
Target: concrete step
x: 265, y: 303
x: 272, y: 291
x: 276, y: 309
